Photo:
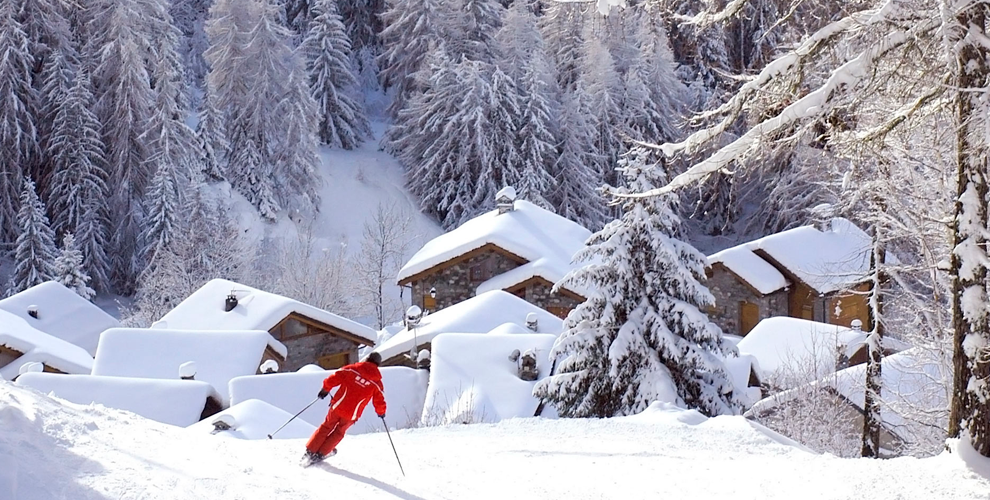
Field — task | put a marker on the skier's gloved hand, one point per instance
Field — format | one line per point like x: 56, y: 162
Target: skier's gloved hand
x: 381, y: 415
x: 323, y: 393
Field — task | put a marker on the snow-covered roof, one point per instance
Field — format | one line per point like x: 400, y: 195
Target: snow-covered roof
x: 61, y: 313
x: 405, y: 389
x: 157, y: 353
x: 38, y: 346
x: 827, y: 261
x: 528, y: 231
x: 792, y: 346
x: 254, y: 419
x: 480, y: 314
x: 739, y: 369
x: 256, y: 310
x: 751, y: 268
x: 175, y: 402
x: 912, y: 381
x: 473, y: 380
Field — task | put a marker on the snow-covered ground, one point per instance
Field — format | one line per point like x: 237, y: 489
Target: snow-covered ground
x: 53, y: 450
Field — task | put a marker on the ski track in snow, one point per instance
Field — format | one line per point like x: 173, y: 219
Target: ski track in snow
x: 50, y: 449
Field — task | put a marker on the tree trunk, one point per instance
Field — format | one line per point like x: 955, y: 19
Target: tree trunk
x: 970, y: 409
x: 871, y: 396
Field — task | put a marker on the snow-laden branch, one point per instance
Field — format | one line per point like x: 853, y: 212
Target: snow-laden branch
x: 783, y: 65
x: 845, y: 78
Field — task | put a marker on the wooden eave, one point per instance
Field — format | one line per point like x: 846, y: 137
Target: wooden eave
x: 487, y: 247
x: 742, y: 280
x: 319, y: 325
x: 539, y: 280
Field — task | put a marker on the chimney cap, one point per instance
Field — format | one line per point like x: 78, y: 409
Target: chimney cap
x: 508, y: 193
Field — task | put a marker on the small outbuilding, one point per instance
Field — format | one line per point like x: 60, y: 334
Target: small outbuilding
x: 21, y: 344
x: 311, y: 335
x: 52, y: 308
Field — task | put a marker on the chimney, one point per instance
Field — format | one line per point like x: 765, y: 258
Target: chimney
x: 531, y: 322
x: 187, y: 370
x: 33, y: 311
x: 505, y: 199
x: 230, y: 303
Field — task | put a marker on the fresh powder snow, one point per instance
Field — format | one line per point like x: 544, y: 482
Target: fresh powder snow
x: 54, y: 449
x: 60, y: 312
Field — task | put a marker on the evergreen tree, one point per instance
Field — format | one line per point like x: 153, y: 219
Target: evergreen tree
x: 162, y: 219
x: 641, y: 335
x: 473, y: 27
x: 563, y: 29
x: 538, y: 144
x: 77, y: 158
x: 600, y: 92
x: 18, y: 130
x: 576, y: 196
x: 125, y: 106
x: 298, y: 160
x: 412, y: 28
x: 498, y: 158
x: 34, y: 255
x: 211, y: 139
x: 342, y: 121
x: 68, y: 268
x: 441, y: 138
x: 363, y: 21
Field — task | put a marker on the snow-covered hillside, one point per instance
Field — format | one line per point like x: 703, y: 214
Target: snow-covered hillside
x: 53, y: 450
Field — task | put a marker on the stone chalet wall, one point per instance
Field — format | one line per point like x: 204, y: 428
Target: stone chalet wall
x: 729, y: 292
x: 308, y: 349
x: 454, y: 283
x: 539, y: 294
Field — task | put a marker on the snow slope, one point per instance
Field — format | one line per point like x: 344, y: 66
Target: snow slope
x: 53, y: 450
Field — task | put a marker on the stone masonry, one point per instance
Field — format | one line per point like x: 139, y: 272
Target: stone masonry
x: 454, y: 283
x: 730, y: 293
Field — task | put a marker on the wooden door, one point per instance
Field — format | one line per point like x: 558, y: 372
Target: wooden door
x: 749, y: 316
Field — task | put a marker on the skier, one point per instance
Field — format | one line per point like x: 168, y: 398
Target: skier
x: 359, y: 383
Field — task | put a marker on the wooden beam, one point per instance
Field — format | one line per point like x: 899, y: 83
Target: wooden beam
x: 315, y: 327
x: 540, y: 280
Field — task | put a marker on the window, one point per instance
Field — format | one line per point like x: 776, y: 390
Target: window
x: 483, y: 270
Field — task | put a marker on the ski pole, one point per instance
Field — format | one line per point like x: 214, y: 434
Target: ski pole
x: 293, y: 418
x: 393, y: 447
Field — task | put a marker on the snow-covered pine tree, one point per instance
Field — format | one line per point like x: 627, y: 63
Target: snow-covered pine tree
x: 91, y: 235
x: 124, y: 108
x: 362, y: 19
x: 68, y: 268
x: 537, y: 150
x: 76, y: 151
x: 440, y: 138
x: 563, y: 29
x: 641, y: 336
x: 577, y: 197
x: 34, y: 254
x: 328, y: 50
x: 412, y: 28
x: 600, y: 92
x: 188, y: 16
x: 499, y: 163
x: 298, y: 160
x: 473, y: 25
x: 211, y: 139
x: 18, y: 130
x: 162, y: 210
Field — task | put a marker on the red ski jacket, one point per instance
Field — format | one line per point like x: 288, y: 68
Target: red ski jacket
x: 359, y: 383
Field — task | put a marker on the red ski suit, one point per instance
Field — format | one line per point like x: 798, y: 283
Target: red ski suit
x: 359, y: 383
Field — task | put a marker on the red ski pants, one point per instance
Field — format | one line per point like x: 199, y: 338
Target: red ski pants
x: 328, y: 434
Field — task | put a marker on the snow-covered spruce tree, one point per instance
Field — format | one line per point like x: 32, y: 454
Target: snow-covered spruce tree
x: 563, y: 29
x: 68, y: 268
x: 439, y: 137
x: 328, y: 50
x: 77, y: 157
x: 472, y: 28
x: 951, y: 63
x: 211, y: 139
x: 362, y: 18
x: 188, y: 16
x: 124, y: 107
x: 412, y: 28
x: 297, y: 161
x: 577, y: 197
x: 18, y: 129
x: 34, y: 254
x: 641, y: 335
x: 599, y: 90
x: 162, y: 211
x: 500, y: 163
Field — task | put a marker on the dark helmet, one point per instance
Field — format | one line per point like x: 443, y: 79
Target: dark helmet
x: 374, y: 358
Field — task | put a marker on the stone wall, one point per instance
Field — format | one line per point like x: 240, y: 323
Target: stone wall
x: 454, y: 283
x: 540, y: 295
x: 729, y: 293
x: 310, y: 348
